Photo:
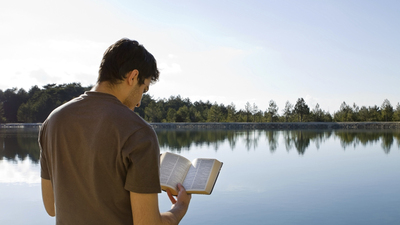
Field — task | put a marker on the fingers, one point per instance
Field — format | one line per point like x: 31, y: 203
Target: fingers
x: 182, y: 196
x: 171, y: 198
x: 182, y: 193
x: 181, y: 188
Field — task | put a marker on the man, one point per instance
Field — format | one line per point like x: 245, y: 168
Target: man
x: 99, y: 159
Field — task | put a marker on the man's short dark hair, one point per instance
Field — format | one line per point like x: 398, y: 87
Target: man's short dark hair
x: 124, y: 56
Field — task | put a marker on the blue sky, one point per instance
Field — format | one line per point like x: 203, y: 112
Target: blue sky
x: 227, y: 52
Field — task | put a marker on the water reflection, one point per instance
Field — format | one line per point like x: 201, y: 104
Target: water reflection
x: 19, y: 144
x: 301, y: 139
x: 176, y: 140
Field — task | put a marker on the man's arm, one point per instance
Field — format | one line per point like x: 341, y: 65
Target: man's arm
x: 48, y: 197
x: 145, y: 208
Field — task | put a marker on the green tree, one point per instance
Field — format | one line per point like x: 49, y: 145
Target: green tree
x: 152, y: 112
x: 171, y: 115
x: 232, y: 117
x: 27, y: 113
x: 254, y: 110
x: 2, y: 118
x: 356, y: 111
x: 301, y: 109
x: 396, y: 114
x: 272, y: 111
x: 374, y: 113
x: 387, y: 110
x: 177, y: 102
x: 258, y: 116
x: 146, y: 100
x: 327, y: 117
x: 214, y: 114
x: 202, y: 109
x: 12, y: 100
x: 162, y: 113
x: 317, y: 114
x: 195, y: 115
x: 248, y: 110
x: 287, y: 111
x: 182, y: 115
x: 241, y: 116
x: 224, y: 113
x: 33, y: 91
x: 345, y: 113
x: 363, y: 114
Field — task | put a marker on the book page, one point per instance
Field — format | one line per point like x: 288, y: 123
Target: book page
x: 198, y: 175
x: 173, y: 169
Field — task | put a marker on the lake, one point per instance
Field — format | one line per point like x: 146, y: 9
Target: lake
x: 268, y: 177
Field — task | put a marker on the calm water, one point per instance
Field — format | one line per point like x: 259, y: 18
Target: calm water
x: 268, y: 177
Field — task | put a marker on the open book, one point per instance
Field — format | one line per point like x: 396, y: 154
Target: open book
x: 198, y: 177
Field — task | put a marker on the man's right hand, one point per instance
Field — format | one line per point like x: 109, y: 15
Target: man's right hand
x: 182, y: 198
x: 145, y: 208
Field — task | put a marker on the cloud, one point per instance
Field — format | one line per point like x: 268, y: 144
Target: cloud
x: 171, y: 56
x: 42, y: 76
x: 312, y: 101
x: 86, y: 79
x: 169, y: 68
x: 21, y: 171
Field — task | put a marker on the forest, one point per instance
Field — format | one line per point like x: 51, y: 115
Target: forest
x: 33, y: 106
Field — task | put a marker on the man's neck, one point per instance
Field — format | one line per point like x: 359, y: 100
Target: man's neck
x: 106, y: 87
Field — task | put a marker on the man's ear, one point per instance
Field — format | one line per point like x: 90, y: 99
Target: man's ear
x: 132, y: 77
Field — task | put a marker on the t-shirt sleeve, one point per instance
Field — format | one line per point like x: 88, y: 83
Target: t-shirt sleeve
x: 141, y: 158
x: 44, y: 170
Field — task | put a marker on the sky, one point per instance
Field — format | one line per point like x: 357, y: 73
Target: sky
x: 323, y: 51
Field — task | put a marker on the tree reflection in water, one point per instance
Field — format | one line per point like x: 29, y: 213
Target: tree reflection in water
x: 19, y: 144
x: 22, y: 143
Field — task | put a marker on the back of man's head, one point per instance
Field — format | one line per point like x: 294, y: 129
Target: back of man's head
x: 124, y: 56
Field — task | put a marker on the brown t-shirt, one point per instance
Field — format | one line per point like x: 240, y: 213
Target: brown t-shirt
x: 95, y: 150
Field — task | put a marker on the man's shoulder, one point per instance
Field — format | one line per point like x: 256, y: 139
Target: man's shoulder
x: 133, y: 122
x: 88, y: 101
x: 112, y: 110
x: 95, y: 109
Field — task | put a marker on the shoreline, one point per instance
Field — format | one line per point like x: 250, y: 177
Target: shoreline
x: 251, y: 126
x: 282, y: 126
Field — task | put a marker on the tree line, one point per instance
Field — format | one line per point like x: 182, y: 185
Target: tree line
x: 33, y: 106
